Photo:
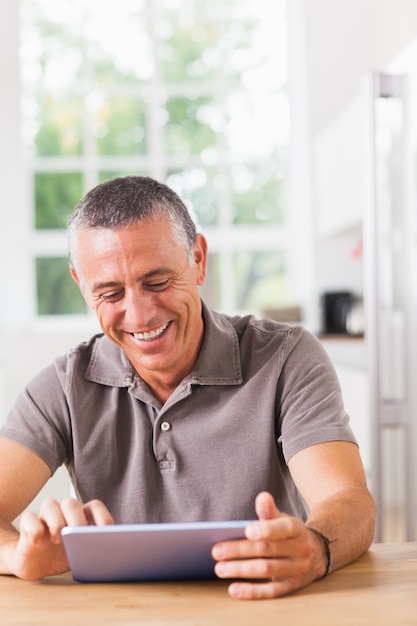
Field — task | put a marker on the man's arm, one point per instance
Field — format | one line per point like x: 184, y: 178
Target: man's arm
x: 332, y: 481
x: 22, y: 476
x: 36, y: 550
x: 282, y: 552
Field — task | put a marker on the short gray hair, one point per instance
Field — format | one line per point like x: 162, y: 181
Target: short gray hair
x: 125, y: 201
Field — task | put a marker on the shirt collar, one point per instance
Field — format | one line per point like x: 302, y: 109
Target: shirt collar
x: 219, y: 360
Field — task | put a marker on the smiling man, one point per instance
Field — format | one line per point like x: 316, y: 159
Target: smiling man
x: 178, y: 413
x: 142, y: 283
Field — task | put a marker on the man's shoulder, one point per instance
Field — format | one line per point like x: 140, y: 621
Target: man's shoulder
x: 251, y: 329
x: 262, y: 336
x: 264, y: 328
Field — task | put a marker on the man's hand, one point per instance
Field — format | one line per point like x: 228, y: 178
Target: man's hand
x: 279, y: 555
x: 38, y: 550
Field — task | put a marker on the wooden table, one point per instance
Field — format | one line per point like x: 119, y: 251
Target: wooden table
x: 380, y: 589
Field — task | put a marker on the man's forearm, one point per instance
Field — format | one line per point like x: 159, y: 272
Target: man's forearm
x: 347, y: 519
x: 8, y: 536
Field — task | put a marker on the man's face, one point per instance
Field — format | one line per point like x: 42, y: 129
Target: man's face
x: 144, y: 289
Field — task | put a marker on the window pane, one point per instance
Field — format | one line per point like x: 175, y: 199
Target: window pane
x: 197, y: 187
x: 190, y: 126
x: 260, y: 281
x: 52, y: 46
x: 58, y: 127
x: 257, y: 125
x: 118, y: 46
x: 56, y: 195
x: 67, y: 41
x: 188, y: 48
x: 57, y: 292
x: 119, y: 126
x: 257, y: 193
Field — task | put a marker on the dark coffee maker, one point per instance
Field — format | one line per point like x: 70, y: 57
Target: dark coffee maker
x: 335, y: 309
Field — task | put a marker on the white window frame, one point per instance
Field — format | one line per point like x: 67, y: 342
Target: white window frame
x: 224, y: 239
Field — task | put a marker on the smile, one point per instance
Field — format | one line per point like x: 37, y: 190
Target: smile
x: 152, y: 334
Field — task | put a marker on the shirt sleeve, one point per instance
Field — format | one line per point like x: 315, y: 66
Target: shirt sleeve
x: 311, y: 407
x: 39, y: 419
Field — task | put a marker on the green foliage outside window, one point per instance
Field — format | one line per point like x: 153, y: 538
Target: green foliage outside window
x: 56, y: 194
x: 120, y: 127
x: 199, y: 188
x: 57, y: 292
x: 190, y: 52
x: 256, y: 193
x: 60, y: 128
x: 188, y: 130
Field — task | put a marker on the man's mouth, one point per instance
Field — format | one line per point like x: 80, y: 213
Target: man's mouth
x: 152, y: 334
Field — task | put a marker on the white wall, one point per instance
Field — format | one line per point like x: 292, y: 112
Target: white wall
x: 344, y: 40
x: 14, y: 254
x: 392, y: 26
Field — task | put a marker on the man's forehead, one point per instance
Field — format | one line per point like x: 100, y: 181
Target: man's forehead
x: 152, y: 248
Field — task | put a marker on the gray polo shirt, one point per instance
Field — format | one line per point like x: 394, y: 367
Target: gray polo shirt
x: 259, y: 393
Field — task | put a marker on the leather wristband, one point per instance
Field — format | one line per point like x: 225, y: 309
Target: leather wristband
x: 326, y: 545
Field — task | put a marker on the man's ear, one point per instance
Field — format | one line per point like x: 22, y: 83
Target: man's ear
x: 81, y: 287
x: 75, y: 275
x: 200, y: 258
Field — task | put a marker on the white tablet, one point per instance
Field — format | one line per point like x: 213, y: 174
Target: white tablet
x: 146, y: 552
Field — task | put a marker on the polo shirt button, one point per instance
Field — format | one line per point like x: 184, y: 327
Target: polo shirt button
x: 165, y: 426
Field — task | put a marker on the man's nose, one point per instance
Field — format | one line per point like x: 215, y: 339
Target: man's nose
x: 139, y: 308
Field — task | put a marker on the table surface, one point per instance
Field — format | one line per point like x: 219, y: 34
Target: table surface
x: 380, y: 588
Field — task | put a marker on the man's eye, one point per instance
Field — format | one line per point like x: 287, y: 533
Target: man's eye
x: 114, y: 295
x: 159, y: 286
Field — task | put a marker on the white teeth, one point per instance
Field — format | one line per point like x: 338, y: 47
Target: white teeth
x: 147, y: 336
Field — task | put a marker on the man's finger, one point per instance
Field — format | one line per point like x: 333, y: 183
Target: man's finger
x: 97, y: 513
x: 265, y: 506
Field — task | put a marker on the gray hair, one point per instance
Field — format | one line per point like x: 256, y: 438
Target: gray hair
x: 128, y: 200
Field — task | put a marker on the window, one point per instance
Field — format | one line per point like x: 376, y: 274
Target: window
x: 189, y: 92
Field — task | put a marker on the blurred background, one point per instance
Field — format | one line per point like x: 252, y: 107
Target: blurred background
x: 261, y: 116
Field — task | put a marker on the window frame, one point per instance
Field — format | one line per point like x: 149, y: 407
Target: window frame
x: 224, y: 239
